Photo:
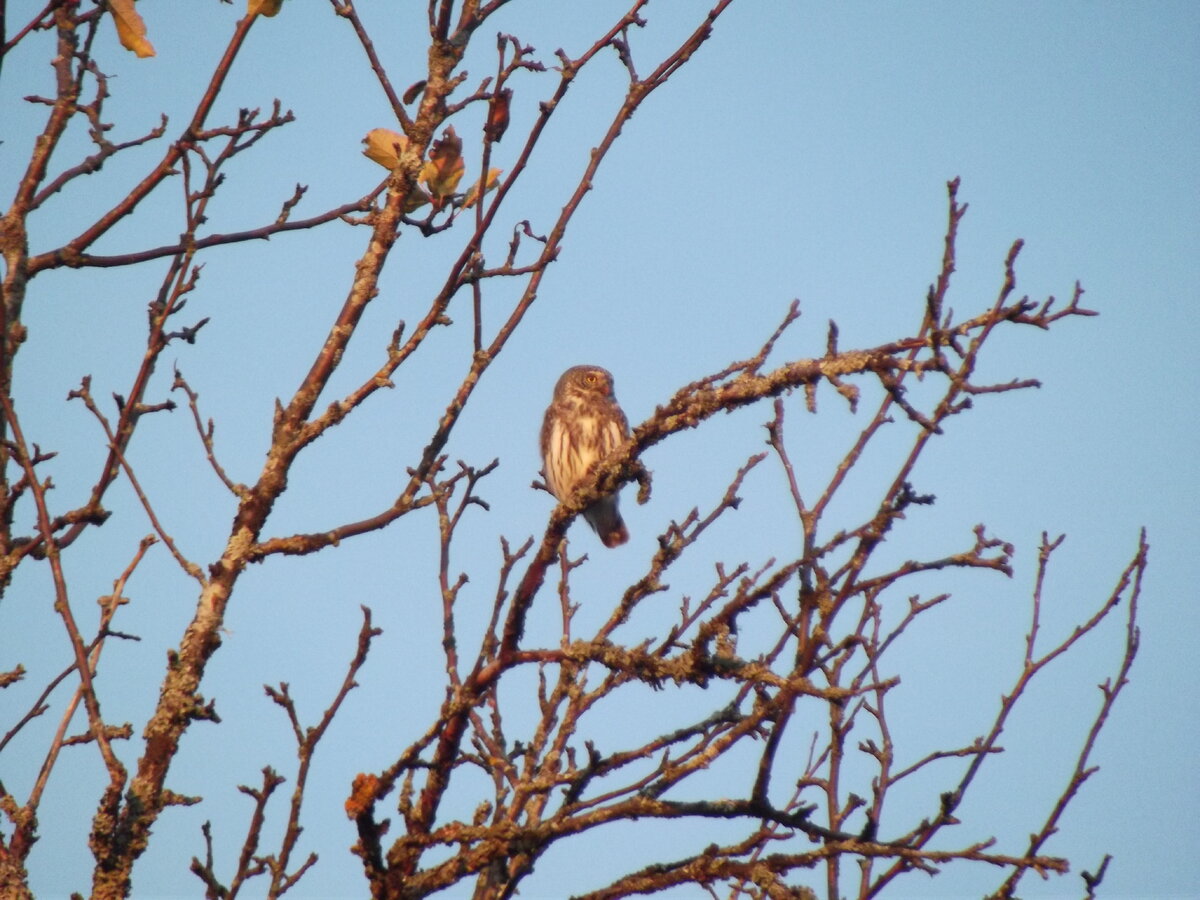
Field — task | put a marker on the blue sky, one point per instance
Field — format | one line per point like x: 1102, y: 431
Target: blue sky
x: 803, y: 153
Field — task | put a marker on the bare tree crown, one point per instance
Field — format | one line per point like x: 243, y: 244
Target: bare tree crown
x: 782, y: 668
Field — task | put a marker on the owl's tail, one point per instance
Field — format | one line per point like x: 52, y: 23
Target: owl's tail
x: 605, y: 519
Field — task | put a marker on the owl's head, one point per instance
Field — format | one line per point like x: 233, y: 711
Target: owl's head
x: 585, y: 381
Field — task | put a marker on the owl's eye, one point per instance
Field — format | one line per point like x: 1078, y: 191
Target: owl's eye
x: 591, y: 378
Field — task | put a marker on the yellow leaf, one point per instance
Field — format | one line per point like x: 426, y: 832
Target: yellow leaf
x: 131, y: 30
x: 416, y: 199
x: 473, y: 194
x: 266, y: 8
x: 384, y: 147
x: 442, y: 172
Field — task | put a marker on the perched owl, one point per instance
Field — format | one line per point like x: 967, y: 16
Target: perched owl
x: 583, y: 425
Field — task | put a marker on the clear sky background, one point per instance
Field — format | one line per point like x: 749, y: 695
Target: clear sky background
x: 803, y: 153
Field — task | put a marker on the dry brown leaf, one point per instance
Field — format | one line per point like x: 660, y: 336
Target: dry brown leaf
x: 131, y: 30
x: 266, y: 8
x: 445, y: 166
x: 497, y: 118
x: 384, y: 147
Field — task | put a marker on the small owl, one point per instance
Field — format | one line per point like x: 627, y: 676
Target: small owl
x: 583, y: 425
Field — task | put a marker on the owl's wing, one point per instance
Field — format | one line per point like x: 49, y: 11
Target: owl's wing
x: 613, y: 432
